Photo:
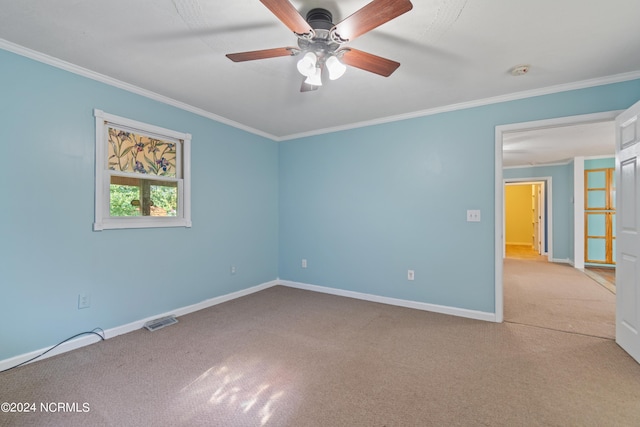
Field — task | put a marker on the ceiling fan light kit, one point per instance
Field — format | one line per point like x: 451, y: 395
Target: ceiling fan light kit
x: 311, y: 66
x: 314, y: 79
x: 321, y: 42
x: 307, y: 65
x: 336, y: 68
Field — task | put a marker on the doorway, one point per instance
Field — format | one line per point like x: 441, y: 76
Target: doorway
x: 576, y: 200
x: 525, y: 226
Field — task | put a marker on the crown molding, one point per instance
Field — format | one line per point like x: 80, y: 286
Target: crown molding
x: 583, y: 84
x: 72, y: 68
x: 84, y: 72
x: 539, y: 165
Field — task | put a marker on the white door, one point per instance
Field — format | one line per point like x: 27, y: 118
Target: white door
x: 628, y: 231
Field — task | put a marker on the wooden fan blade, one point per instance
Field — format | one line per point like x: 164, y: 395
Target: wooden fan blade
x: 369, y: 62
x: 371, y: 16
x: 261, y: 54
x: 289, y: 16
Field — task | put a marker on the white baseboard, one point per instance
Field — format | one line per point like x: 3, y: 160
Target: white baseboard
x: 460, y: 312
x: 133, y: 326
x: 62, y: 348
x: 119, y: 330
x: 130, y: 327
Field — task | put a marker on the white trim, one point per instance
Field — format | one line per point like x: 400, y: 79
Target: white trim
x: 453, y: 311
x: 499, y: 227
x: 84, y: 72
x: 101, y: 155
x: 499, y: 193
x: 72, y: 68
x: 618, y: 78
x: 140, y: 222
x: 540, y: 165
x: 141, y: 127
x: 133, y: 326
x: 185, y: 204
x: 548, y: 216
x: 578, y: 212
x: 609, y: 156
x: 190, y: 308
x: 130, y: 327
x: 154, y: 178
x: 557, y: 122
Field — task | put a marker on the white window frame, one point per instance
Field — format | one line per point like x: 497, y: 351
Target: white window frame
x: 103, y: 220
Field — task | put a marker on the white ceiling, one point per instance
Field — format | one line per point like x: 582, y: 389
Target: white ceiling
x: 451, y: 51
x: 558, y: 145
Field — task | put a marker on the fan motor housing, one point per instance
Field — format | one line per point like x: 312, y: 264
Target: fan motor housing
x: 320, y: 19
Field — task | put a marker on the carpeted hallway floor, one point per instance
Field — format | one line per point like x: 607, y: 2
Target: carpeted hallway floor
x: 557, y: 296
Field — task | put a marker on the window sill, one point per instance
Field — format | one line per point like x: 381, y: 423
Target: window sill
x: 126, y: 223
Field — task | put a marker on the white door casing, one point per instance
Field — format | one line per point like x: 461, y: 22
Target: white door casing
x: 538, y: 232
x: 628, y: 231
x: 499, y: 195
x: 544, y: 206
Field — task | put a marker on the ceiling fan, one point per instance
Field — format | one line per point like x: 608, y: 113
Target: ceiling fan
x: 321, y: 43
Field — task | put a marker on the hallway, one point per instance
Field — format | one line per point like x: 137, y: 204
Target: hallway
x: 556, y: 296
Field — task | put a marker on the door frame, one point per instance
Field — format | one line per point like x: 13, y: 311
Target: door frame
x: 499, y: 187
x: 546, y: 222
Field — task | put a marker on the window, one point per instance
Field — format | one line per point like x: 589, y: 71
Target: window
x: 142, y: 175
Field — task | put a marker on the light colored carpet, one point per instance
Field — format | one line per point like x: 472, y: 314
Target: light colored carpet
x: 557, y: 296
x: 288, y: 357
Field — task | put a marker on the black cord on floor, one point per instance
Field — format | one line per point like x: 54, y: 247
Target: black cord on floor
x: 102, y: 337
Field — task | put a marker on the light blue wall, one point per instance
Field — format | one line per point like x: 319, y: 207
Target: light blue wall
x: 48, y: 251
x: 364, y: 205
x: 562, y: 204
x: 609, y: 162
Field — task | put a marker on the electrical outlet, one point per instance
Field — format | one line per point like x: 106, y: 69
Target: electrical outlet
x: 304, y: 263
x: 473, y: 215
x: 233, y: 269
x: 411, y: 275
x: 84, y: 301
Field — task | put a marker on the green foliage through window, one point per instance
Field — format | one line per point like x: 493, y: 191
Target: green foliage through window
x: 121, y: 198
x: 126, y: 200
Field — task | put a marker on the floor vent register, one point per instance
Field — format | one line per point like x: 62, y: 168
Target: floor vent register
x: 155, y: 324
